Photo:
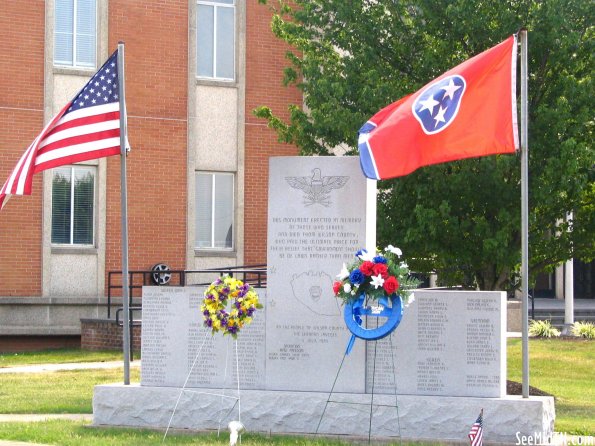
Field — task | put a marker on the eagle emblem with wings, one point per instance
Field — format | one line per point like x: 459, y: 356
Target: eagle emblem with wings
x: 316, y: 187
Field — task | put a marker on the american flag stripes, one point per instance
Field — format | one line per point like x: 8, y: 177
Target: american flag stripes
x: 87, y: 128
x: 476, y: 433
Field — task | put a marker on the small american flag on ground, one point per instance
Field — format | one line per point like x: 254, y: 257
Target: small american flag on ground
x: 87, y: 128
x: 476, y: 433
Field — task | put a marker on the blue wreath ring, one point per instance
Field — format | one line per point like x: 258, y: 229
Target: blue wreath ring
x: 390, y: 308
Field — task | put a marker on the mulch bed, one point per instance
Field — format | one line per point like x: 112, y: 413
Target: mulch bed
x: 564, y: 338
x: 514, y: 388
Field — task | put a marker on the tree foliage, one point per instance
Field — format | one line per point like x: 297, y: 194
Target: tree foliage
x: 460, y: 219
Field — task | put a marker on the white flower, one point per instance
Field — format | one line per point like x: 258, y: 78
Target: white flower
x: 410, y: 299
x: 353, y: 292
x: 394, y: 250
x: 377, y: 281
x: 344, y: 274
x: 367, y: 256
x: 403, y: 265
x: 347, y: 287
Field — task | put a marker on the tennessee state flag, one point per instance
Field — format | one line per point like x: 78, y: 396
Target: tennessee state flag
x: 469, y: 111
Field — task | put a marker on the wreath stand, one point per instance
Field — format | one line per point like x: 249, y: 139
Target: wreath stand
x: 222, y: 395
x: 354, y: 312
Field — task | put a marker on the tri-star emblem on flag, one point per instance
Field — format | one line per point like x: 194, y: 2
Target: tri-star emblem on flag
x: 437, y: 106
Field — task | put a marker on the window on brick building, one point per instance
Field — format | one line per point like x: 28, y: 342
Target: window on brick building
x: 215, y: 39
x: 214, y: 210
x: 75, y: 33
x: 73, y: 205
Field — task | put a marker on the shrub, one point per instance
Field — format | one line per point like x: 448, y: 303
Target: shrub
x: 584, y: 330
x: 543, y: 329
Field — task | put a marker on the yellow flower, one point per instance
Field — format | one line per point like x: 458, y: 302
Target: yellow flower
x: 237, y: 317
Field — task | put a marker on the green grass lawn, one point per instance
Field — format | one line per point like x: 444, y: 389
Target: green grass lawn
x: 55, y: 392
x: 68, y: 433
x: 565, y: 369
x: 57, y: 357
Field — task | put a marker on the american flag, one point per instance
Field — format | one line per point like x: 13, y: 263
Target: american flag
x: 476, y: 433
x: 88, y: 127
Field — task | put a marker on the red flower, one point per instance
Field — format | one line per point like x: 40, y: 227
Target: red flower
x: 367, y: 268
x: 391, y: 285
x: 336, y: 287
x: 380, y: 269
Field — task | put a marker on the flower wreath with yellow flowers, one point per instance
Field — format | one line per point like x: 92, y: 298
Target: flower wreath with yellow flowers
x: 241, y: 298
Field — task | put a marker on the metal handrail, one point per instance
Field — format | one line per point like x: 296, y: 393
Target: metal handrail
x: 255, y: 275
x: 132, y: 323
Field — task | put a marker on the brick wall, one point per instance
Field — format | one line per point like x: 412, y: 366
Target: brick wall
x: 13, y: 344
x: 21, y: 119
x: 157, y: 100
x: 104, y: 334
x: 265, y: 59
x: 156, y: 48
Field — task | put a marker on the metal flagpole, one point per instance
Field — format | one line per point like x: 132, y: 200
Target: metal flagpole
x: 525, y: 212
x: 124, y: 207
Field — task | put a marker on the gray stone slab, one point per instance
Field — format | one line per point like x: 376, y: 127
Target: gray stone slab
x: 321, y: 211
x: 418, y: 417
x: 178, y: 351
x: 449, y: 343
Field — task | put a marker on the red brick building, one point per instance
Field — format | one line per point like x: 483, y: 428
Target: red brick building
x: 198, y: 166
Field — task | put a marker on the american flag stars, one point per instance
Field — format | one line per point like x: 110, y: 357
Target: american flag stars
x: 103, y: 89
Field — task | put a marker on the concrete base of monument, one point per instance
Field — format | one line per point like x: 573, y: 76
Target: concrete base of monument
x: 417, y: 417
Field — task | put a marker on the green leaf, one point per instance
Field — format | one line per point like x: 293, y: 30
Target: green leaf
x: 460, y: 219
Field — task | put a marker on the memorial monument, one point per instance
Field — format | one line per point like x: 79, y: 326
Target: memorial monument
x: 448, y: 355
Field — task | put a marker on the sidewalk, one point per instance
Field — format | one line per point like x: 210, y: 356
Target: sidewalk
x: 43, y: 368
x: 30, y: 418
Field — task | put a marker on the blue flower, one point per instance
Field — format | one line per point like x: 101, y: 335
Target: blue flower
x: 361, y: 252
x: 356, y: 277
x: 380, y: 259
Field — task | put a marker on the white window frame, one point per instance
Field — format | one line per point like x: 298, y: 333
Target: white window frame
x: 216, y: 6
x: 71, y: 236
x: 212, y: 246
x: 75, y: 63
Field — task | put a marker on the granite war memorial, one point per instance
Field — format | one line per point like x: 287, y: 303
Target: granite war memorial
x: 429, y: 379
